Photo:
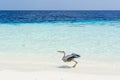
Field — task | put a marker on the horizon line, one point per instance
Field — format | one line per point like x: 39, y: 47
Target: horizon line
x: 57, y: 10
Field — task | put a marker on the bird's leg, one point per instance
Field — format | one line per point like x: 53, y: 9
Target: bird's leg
x: 75, y: 63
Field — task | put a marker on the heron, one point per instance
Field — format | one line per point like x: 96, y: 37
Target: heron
x: 69, y: 58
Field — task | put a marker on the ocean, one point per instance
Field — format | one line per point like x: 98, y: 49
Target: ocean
x: 95, y: 35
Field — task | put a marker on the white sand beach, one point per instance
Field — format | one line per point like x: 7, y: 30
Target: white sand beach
x: 48, y: 68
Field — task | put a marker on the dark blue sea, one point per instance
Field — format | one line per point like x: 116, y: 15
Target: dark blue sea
x: 55, y: 16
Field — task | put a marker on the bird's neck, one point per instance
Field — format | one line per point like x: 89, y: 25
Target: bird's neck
x: 64, y: 54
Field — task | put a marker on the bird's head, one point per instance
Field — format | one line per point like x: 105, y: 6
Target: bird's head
x: 61, y: 51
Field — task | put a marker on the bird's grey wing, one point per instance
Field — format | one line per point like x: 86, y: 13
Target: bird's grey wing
x: 75, y: 55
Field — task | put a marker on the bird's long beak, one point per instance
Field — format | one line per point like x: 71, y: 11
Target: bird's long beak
x: 60, y: 51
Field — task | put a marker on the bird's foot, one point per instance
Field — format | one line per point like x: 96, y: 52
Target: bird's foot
x: 74, y: 66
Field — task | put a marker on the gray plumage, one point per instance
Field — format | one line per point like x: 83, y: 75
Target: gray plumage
x: 69, y: 58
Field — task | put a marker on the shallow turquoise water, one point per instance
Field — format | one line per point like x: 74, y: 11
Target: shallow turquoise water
x: 92, y: 40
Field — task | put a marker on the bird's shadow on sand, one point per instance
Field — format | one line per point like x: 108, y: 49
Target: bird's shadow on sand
x: 65, y: 67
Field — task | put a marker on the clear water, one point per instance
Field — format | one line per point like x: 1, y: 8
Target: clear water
x: 93, y: 39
